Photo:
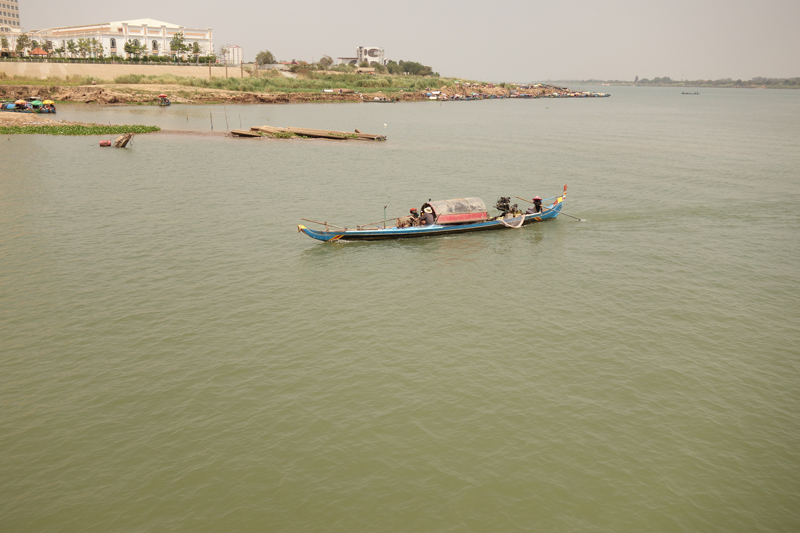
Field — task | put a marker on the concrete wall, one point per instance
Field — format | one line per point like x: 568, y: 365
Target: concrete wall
x: 109, y: 72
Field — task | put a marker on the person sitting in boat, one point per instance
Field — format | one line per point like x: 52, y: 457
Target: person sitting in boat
x: 537, y: 206
x: 427, y: 216
x: 409, y: 220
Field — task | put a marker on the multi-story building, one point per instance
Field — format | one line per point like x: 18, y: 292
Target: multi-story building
x: 9, y: 17
x: 154, y: 35
x: 233, y: 54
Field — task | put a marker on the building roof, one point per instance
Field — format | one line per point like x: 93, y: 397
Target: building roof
x: 38, y: 52
x: 136, y: 22
x: 141, y: 22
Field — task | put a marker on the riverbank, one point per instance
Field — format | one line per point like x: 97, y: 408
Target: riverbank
x: 146, y: 94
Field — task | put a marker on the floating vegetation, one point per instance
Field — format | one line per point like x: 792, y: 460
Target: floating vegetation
x: 76, y: 129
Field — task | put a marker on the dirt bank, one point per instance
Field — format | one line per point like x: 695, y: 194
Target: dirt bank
x: 148, y: 94
x: 24, y: 119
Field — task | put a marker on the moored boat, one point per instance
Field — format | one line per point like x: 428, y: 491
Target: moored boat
x: 32, y: 106
x: 450, y: 217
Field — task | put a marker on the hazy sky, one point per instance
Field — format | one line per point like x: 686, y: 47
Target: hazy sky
x: 486, y: 40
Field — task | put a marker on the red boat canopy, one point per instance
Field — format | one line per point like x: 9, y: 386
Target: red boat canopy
x: 458, y: 210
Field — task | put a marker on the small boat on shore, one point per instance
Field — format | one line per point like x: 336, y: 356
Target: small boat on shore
x: 32, y: 106
x: 460, y: 215
x: 163, y: 100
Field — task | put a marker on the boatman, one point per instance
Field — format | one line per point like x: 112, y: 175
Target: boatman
x: 427, y: 216
x: 537, y: 206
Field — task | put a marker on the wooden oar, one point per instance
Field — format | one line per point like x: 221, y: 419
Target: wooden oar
x: 543, y: 207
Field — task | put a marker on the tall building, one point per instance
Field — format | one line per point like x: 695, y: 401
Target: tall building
x: 233, y: 54
x: 9, y: 17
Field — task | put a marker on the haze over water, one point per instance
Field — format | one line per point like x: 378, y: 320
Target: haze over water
x: 175, y: 356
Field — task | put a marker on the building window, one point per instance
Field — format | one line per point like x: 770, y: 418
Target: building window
x: 113, y: 43
x: 155, y: 46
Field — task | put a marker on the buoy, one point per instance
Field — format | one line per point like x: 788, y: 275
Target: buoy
x: 105, y: 143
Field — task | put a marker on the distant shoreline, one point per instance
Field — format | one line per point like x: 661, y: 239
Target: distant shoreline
x: 727, y: 83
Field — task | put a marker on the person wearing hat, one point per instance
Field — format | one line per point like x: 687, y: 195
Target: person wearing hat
x: 427, y: 216
x: 412, y: 219
x: 415, y: 219
x: 537, y: 206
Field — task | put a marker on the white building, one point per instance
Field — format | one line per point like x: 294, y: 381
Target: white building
x: 371, y: 54
x: 154, y: 34
x: 233, y: 54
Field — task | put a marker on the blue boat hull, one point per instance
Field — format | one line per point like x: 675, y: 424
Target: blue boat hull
x: 431, y: 231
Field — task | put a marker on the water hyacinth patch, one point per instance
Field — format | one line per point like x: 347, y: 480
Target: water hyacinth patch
x: 76, y: 129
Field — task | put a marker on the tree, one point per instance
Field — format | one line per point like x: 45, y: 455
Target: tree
x: 326, y: 61
x: 72, y: 48
x: 196, y: 49
x: 177, y: 44
x: 134, y: 48
x: 97, y: 48
x: 84, y: 47
x: 4, y: 43
x: 265, y: 58
x: 23, y: 43
x: 415, y: 69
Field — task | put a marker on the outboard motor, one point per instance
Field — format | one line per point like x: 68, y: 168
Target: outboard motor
x: 505, y: 206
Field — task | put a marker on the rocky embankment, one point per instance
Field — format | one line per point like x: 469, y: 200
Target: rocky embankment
x: 148, y: 94
x: 180, y: 94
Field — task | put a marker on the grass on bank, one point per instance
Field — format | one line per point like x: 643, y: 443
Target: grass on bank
x: 274, y: 82
x: 69, y: 81
x: 75, y: 129
x: 268, y: 82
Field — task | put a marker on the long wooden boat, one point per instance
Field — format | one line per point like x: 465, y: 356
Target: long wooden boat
x: 461, y: 215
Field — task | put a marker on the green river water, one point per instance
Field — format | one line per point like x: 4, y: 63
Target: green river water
x: 174, y: 356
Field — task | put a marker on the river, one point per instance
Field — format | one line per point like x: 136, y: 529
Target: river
x: 175, y: 356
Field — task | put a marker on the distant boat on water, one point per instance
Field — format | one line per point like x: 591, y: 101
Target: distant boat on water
x: 690, y: 93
